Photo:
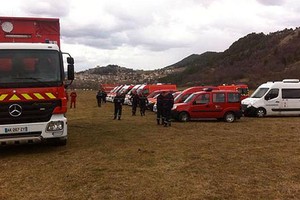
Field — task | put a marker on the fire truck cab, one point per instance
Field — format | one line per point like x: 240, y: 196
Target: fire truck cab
x: 33, y: 98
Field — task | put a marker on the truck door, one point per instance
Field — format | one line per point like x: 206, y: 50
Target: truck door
x: 201, y: 106
x: 272, y: 102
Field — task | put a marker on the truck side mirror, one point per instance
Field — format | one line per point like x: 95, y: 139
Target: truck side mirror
x: 70, y: 60
x: 70, y: 72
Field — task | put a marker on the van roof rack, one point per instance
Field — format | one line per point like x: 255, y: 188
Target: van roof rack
x: 290, y: 80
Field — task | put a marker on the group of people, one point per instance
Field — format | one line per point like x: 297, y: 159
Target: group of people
x: 165, y: 102
x: 139, y: 100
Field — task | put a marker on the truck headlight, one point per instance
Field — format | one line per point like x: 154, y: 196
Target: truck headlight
x: 55, y: 126
x: 174, y: 107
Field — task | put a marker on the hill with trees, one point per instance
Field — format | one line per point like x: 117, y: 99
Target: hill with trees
x: 253, y: 59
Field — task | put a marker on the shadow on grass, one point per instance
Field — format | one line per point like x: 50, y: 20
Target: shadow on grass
x: 21, y: 149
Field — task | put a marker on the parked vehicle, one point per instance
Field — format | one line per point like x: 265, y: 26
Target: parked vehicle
x: 148, y: 89
x: 154, y: 108
x: 187, y: 92
x: 33, y: 99
x: 219, y: 104
x: 107, y: 87
x: 241, y: 88
x: 113, y: 93
x: 129, y: 94
x: 152, y: 98
x: 279, y: 98
x: 124, y: 90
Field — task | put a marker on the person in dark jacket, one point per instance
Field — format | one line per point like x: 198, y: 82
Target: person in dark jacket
x: 99, y: 97
x: 143, y: 104
x: 168, y: 102
x: 104, y: 95
x: 135, y: 101
x: 118, y: 102
x: 159, y: 109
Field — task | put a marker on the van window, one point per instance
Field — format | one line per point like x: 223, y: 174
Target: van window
x: 219, y: 97
x: 189, y: 98
x: 202, y: 99
x: 243, y: 91
x: 273, y: 93
x: 260, y: 92
x: 291, y: 93
x: 233, y: 97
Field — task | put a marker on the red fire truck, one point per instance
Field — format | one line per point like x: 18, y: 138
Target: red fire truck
x: 33, y: 99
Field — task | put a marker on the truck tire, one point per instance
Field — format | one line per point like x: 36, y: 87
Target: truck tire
x: 229, y: 117
x: 184, y: 117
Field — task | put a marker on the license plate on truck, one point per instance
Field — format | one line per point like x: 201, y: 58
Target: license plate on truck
x: 16, y: 130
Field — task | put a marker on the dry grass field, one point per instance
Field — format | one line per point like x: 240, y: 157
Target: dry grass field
x: 136, y: 159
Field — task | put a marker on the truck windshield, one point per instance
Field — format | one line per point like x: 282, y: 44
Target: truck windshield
x: 260, y: 92
x: 30, y: 68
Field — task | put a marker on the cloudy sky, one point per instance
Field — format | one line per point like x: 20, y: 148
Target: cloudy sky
x: 152, y: 34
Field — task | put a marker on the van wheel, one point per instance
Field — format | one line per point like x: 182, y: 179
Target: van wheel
x: 184, y: 117
x: 260, y: 112
x: 229, y: 117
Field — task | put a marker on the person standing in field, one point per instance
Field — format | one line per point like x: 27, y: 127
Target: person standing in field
x: 159, y: 108
x: 73, y: 96
x: 104, y: 95
x: 99, y: 97
x: 118, y: 102
x: 135, y: 101
x: 168, y: 102
x: 143, y: 104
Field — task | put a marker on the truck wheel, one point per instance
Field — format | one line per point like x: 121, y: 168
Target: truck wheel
x: 260, y: 112
x: 229, y: 117
x: 184, y: 117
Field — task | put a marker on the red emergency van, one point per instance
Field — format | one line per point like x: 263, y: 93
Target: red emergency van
x: 149, y: 88
x: 241, y: 88
x: 187, y: 92
x: 219, y: 104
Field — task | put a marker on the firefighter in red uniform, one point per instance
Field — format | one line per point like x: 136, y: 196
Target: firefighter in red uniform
x: 73, y: 96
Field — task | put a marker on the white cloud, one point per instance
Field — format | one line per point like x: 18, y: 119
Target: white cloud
x: 151, y: 34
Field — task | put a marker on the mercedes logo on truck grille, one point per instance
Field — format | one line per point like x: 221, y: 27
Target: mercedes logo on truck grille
x: 15, y: 110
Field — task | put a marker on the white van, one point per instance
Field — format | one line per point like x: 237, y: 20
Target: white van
x: 279, y: 98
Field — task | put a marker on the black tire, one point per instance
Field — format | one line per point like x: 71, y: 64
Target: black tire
x: 229, y: 117
x: 184, y: 117
x: 260, y: 112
